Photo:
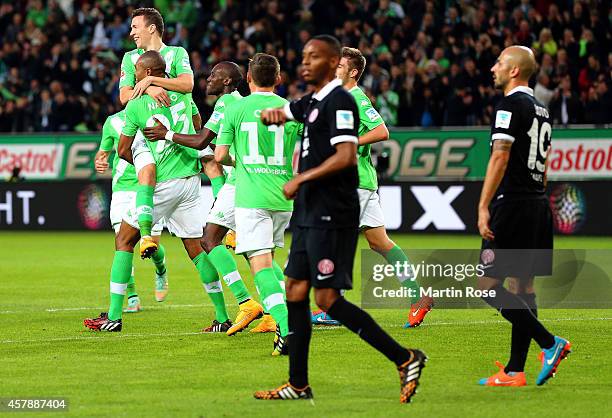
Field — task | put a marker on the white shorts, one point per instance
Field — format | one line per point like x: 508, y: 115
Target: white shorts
x: 260, y: 229
x: 123, y: 201
x: 222, y: 211
x: 206, y: 152
x: 141, y: 154
x: 178, y: 203
x: 370, y: 211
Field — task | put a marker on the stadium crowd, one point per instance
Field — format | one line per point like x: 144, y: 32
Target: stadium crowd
x: 428, y: 61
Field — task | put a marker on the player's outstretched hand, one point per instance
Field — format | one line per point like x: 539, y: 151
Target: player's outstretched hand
x: 156, y: 132
x: 483, y: 224
x: 273, y: 116
x: 159, y: 95
x: 290, y: 188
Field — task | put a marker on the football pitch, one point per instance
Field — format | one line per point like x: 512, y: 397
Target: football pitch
x: 162, y: 366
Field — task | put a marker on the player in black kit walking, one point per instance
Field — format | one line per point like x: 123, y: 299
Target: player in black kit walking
x: 326, y: 223
x: 514, y: 218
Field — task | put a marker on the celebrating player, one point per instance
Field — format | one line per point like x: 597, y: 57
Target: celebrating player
x: 223, y: 81
x: 326, y: 221
x: 513, y: 213
x: 177, y: 194
x: 147, y: 32
x: 124, y: 186
x: 263, y: 156
x: 372, y: 129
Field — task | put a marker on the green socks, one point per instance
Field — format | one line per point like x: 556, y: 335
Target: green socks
x: 272, y: 298
x: 211, y: 282
x: 131, y: 286
x: 159, y: 259
x: 217, y: 183
x: 395, y: 255
x: 144, y: 208
x: 280, y: 275
x: 225, y: 264
x: 120, y: 276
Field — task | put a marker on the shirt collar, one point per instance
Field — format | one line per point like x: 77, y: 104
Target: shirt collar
x: 236, y: 94
x: 522, y: 89
x: 321, y: 94
x: 264, y: 93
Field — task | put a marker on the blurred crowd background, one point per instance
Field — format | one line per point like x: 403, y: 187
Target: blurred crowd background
x: 428, y: 61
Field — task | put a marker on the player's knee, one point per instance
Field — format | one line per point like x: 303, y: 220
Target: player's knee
x: 147, y: 175
x: 213, y: 169
x: 207, y: 244
x: 325, y: 300
x: 296, y: 290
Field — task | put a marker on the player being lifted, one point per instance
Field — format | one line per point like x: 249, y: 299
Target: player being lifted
x: 124, y: 185
x: 177, y: 193
x: 263, y: 156
x: 514, y: 217
x: 372, y: 129
x: 147, y: 29
x: 222, y: 82
x: 326, y: 221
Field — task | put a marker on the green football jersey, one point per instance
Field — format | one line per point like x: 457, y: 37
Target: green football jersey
x: 173, y: 161
x: 215, y: 122
x: 124, y: 173
x: 263, y: 153
x: 368, y: 120
x: 177, y: 63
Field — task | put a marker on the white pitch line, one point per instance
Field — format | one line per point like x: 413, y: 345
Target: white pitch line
x: 94, y: 308
x: 179, y: 334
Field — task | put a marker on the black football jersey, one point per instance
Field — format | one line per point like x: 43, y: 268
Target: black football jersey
x: 330, y: 117
x: 520, y: 118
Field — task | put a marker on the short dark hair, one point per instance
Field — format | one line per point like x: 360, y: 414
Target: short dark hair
x: 151, y: 17
x: 264, y: 69
x: 355, y: 59
x: 232, y: 71
x: 332, y: 42
x: 153, y: 60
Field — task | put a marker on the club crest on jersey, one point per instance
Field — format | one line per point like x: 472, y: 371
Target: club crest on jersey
x: 325, y: 266
x: 502, y: 119
x: 344, y: 119
x: 313, y: 115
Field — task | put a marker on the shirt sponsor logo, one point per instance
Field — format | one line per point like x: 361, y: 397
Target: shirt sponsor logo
x: 502, y: 119
x: 372, y: 114
x: 344, y: 119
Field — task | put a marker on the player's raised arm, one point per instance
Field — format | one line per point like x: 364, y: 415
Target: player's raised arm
x: 197, y: 141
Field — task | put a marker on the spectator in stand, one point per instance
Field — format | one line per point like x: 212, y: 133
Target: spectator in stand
x: 566, y: 107
x: 542, y: 92
x: 432, y: 55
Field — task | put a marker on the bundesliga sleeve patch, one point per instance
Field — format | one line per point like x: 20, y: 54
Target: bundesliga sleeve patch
x: 216, y: 117
x: 372, y: 114
x: 502, y: 119
x: 344, y: 119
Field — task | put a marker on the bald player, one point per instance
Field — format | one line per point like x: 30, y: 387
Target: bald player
x: 514, y: 218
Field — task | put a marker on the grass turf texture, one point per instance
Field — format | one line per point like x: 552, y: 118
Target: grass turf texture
x: 161, y: 366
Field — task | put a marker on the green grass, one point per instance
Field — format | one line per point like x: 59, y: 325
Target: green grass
x: 161, y: 366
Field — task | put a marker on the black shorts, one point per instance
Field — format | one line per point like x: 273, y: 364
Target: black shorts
x: 523, y: 241
x: 323, y: 256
